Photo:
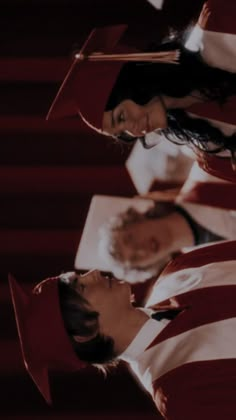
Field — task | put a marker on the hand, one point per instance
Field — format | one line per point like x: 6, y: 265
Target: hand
x: 204, y: 15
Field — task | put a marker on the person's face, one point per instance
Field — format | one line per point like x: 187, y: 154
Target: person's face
x: 141, y: 244
x: 105, y: 295
x: 136, y: 120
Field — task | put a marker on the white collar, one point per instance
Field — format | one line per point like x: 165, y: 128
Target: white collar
x: 145, y: 336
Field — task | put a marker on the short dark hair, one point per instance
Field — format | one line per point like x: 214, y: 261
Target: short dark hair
x: 80, y: 320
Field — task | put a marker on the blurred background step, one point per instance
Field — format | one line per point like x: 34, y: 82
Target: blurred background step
x: 38, y: 241
x: 37, y: 145
x: 43, y: 210
x: 62, y: 179
x: 29, y: 267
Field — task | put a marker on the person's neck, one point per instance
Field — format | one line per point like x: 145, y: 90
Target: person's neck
x: 182, y: 235
x: 130, y: 326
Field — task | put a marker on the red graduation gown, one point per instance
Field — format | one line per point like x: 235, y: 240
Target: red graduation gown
x: 219, y: 39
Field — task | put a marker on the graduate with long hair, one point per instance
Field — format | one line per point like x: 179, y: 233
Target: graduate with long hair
x: 191, y: 102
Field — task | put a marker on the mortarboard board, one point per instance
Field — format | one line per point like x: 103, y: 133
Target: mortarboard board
x: 87, y: 85
x: 102, y: 208
x: 44, y: 342
x: 93, y: 73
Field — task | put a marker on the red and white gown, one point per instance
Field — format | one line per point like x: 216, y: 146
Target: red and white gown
x: 218, y: 48
x: 217, y: 44
x: 188, y: 364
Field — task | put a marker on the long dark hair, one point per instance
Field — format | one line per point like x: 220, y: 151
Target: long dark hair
x: 143, y: 81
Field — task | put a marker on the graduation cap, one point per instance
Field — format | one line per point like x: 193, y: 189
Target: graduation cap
x: 101, y: 209
x: 44, y: 342
x: 93, y: 73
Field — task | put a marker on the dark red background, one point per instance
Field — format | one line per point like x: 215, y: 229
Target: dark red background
x: 48, y: 173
